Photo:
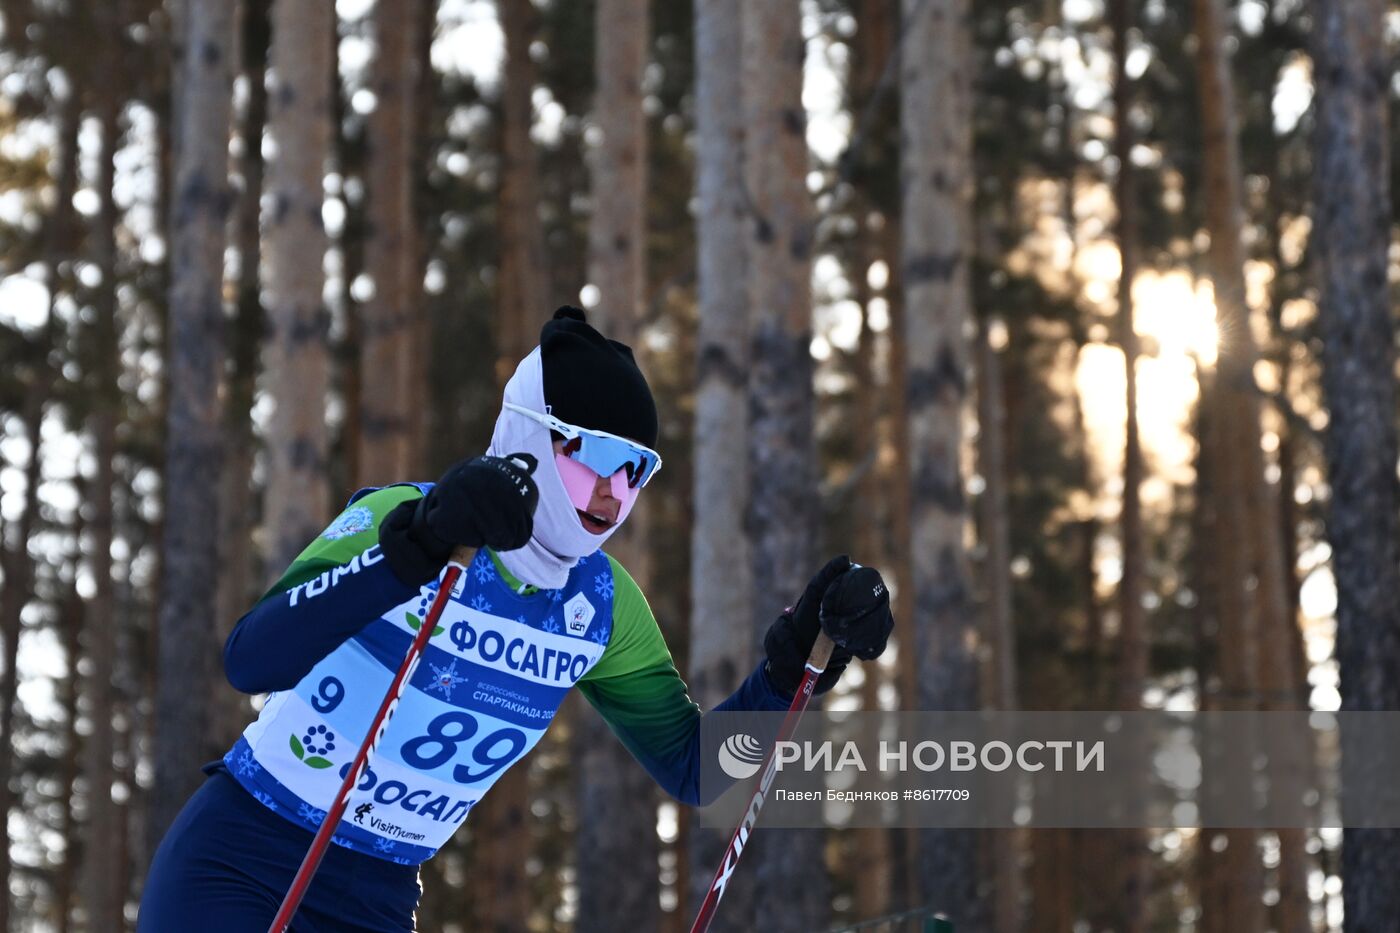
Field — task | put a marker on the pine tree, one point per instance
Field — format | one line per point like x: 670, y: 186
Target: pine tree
x: 189, y: 558
x: 1350, y: 240
x: 721, y: 575
x: 936, y: 176
x: 1132, y: 865
x: 522, y: 288
x: 297, y: 363
x: 238, y: 582
x: 102, y: 892
x: 18, y: 564
x: 791, y: 873
x: 387, y: 419
x: 617, y: 811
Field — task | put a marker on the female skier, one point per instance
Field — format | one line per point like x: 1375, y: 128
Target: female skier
x: 541, y: 610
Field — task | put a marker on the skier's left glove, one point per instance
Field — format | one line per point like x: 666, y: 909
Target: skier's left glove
x: 851, y: 603
x: 485, y: 501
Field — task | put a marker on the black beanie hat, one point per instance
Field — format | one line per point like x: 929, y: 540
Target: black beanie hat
x: 594, y: 382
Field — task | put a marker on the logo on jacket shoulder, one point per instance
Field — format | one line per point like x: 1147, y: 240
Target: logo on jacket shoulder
x: 578, y: 612
x: 350, y: 522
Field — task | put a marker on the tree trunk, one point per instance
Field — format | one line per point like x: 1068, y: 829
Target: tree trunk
x: 504, y: 842
x: 386, y: 346
x: 904, y: 842
x: 102, y: 889
x: 721, y: 651
x: 1350, y: 239
x: 876, y: 26
x: 162, y: 210
x: 124, y: 698
x: 997, y: 673
x: 1284, y: 660
x: 521, y: 293
x: 936, y: 178
x: 790, y: 870
x: 1132, y: 637
x: 999, y: 690
x: 617, y: 799
x: 424, y: 228
x: 1132, y: 863
x: 18, y: 565
x: 66, y: 883
x: 1052, y: 878
x: 349, y: 162
x: 236, y: 583
x: 999, y: 687
x: 189, y: 554
x: 1260, y: 557
x: 297, y: 365
x: 17, y: 592
x: 1206, y: 583
x: 616, y: 230
x: 872, y: 845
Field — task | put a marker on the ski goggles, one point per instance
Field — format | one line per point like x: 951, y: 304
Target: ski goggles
x: 601, y: 452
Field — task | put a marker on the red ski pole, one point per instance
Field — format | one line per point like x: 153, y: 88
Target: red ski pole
x: 457, y: 565
x: 816, y: 664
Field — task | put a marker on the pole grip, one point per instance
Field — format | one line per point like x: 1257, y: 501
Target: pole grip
x: 820, y: 655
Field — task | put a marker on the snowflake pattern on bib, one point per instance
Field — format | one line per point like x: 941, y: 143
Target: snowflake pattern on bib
x: 310, y: 814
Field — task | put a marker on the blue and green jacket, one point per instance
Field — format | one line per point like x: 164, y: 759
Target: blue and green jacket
x: 328, y: 637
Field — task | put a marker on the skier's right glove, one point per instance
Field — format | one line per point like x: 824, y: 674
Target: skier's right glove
x: 485, y: 501
x: 851, y: 603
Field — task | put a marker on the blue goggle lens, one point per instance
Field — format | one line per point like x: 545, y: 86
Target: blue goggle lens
x: 606, y: 455
x: 602, y: 453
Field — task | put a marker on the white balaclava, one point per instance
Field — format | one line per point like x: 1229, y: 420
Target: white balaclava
x: 559, y: 539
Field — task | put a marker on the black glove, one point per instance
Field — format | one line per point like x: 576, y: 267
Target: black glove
x: 856, y: 612
x: 851, y: 603
x: 486, y: 501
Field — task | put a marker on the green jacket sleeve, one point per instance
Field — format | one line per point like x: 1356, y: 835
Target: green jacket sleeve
x: 335, y: 587
x: 636, y: 688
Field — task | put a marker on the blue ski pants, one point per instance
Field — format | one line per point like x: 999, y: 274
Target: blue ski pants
x: 227, y: 861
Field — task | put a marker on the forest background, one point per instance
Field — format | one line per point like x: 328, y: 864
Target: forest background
x: 1074, y: 316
